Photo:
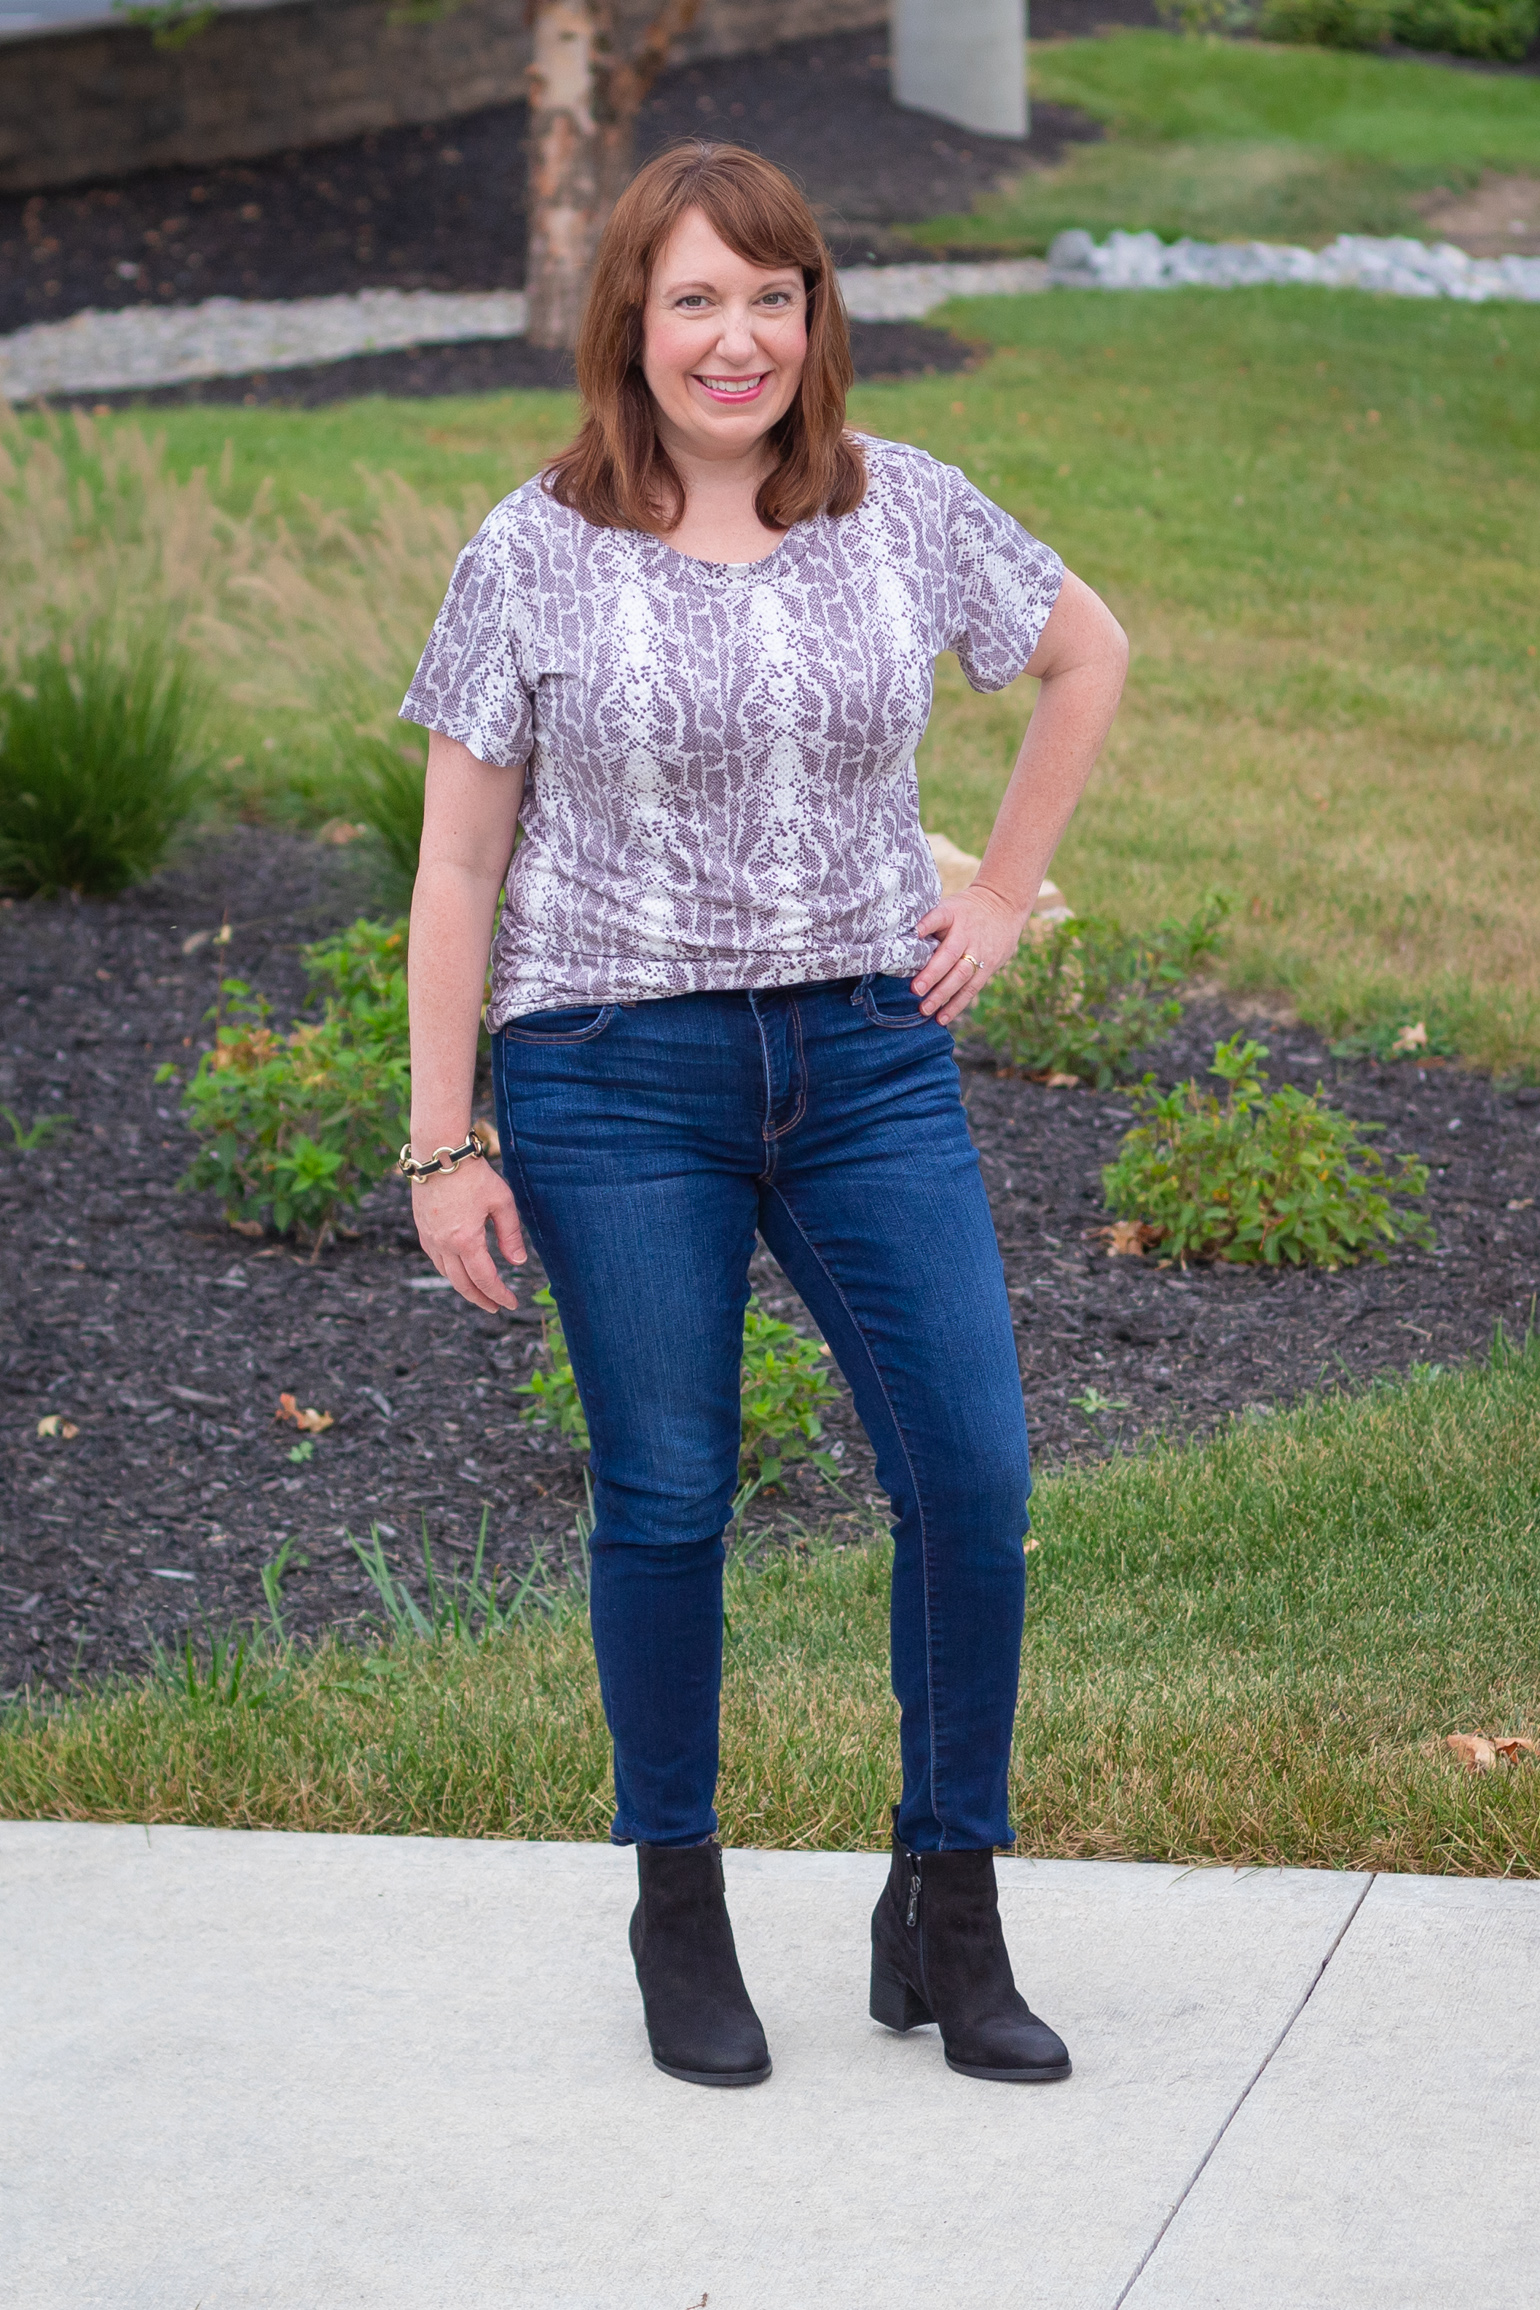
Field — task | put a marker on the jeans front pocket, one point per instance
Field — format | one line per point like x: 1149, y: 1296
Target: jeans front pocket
x: 580, y: 1023
x: 891, y: 1002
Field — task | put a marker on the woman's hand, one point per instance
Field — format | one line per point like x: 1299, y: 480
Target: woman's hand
x: 452, y: 1211
x: 978, y: 931
x: 1080, y: 660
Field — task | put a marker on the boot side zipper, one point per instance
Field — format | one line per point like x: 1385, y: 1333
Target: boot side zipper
x: 914, y: 1900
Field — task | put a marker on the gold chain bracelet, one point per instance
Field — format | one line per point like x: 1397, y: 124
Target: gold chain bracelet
x: 442, y: 1158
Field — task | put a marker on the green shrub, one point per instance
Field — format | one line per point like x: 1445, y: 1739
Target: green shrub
x: 1256, y: 1176
x: 1198, y: 17
x: 1326, y: 23
x: 1082, y: 1000
x: 383, y: 789
x: 786, y: 1387
x: 296, y: 1128
x: 1502, y: 30
x: 97, y: 765
x: 557, y: 1404
x: 1498, y: 29
x: 362, y: 971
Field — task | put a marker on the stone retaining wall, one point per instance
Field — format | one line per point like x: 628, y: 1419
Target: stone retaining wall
x: 104, y: 100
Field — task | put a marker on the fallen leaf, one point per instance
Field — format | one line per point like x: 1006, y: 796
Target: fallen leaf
x: 1129, y: 1238
x: 1414, y: 1038
x: 1058, y: 1082
x: 1521, y: 1202
x: 1473, y: 1751
x: 1515, y: 1745
x: 311, y: 1422
x: 340, y: 832
x: 251, y: 1227
x: 55, y: 1424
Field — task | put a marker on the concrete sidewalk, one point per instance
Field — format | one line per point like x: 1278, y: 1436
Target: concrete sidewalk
x: 282, y: 2071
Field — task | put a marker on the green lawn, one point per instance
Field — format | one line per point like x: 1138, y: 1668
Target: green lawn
x: 1316, y: 512
x: 1246, y: 1650
x: 1318, y: 515
x: 1236, y: 140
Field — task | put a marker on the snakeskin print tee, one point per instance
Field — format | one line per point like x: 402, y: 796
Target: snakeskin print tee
x: 721, y: 787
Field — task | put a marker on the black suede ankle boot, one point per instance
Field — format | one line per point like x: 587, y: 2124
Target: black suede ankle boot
x: 938, y: 1954
x: 700, y: 2024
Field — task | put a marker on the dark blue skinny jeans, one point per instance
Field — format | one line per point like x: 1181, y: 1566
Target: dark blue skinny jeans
x: 645, y: 1145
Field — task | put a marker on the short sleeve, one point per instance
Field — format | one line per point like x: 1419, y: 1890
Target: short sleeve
x: 469, y: 683
x: 1002, y: 583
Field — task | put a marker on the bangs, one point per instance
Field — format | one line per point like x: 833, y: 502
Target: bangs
x: 617, y: 473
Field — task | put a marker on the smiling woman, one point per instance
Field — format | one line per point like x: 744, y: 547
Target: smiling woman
x: 692, y: 661
x: 713, y: 333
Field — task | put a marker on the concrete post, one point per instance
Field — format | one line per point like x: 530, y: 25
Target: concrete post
x: 964, y: 60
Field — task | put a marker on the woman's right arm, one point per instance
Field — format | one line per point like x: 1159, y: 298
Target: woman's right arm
x: 470, y: 812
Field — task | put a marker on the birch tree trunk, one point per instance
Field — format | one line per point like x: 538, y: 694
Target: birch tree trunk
x: 583, y: 103
x: 563, y: 167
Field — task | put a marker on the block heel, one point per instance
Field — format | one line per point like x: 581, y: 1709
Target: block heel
x: 894, y: 2003
x: 938, y: 1925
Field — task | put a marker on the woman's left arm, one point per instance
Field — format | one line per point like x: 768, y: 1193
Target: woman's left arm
x: 1081, y: 659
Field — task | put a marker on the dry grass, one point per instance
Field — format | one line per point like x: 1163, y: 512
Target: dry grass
x: 93, y: 530
x: 1245, y: 1651
x: 305, y: 626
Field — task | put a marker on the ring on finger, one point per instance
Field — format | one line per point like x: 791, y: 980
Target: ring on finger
x: 973, y: 961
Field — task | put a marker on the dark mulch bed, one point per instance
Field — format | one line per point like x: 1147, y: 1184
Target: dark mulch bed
x: 494, y: 365
x: 135, y: 1314
x: 442, y: 207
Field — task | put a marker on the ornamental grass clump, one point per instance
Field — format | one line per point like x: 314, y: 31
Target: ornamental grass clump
x: 1081, y: 1001
x: 383, y: 789
x: 99, y: 765
x: 296, y: 1128
x: 785, y: 1388
x: 1258, y: 1177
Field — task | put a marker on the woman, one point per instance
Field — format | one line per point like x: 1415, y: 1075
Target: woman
x: 692, y: 662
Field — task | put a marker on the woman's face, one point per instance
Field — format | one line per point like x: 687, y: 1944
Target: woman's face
x: 723, y: 343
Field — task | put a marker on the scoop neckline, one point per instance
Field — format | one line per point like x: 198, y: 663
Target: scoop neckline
x: 687, y: 565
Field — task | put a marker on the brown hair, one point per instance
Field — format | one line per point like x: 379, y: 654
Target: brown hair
x: 617, y: 473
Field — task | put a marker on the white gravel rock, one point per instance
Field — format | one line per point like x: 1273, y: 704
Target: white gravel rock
x: 1397, y: 267
x: 227, y: 337
x: 909, y: 292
